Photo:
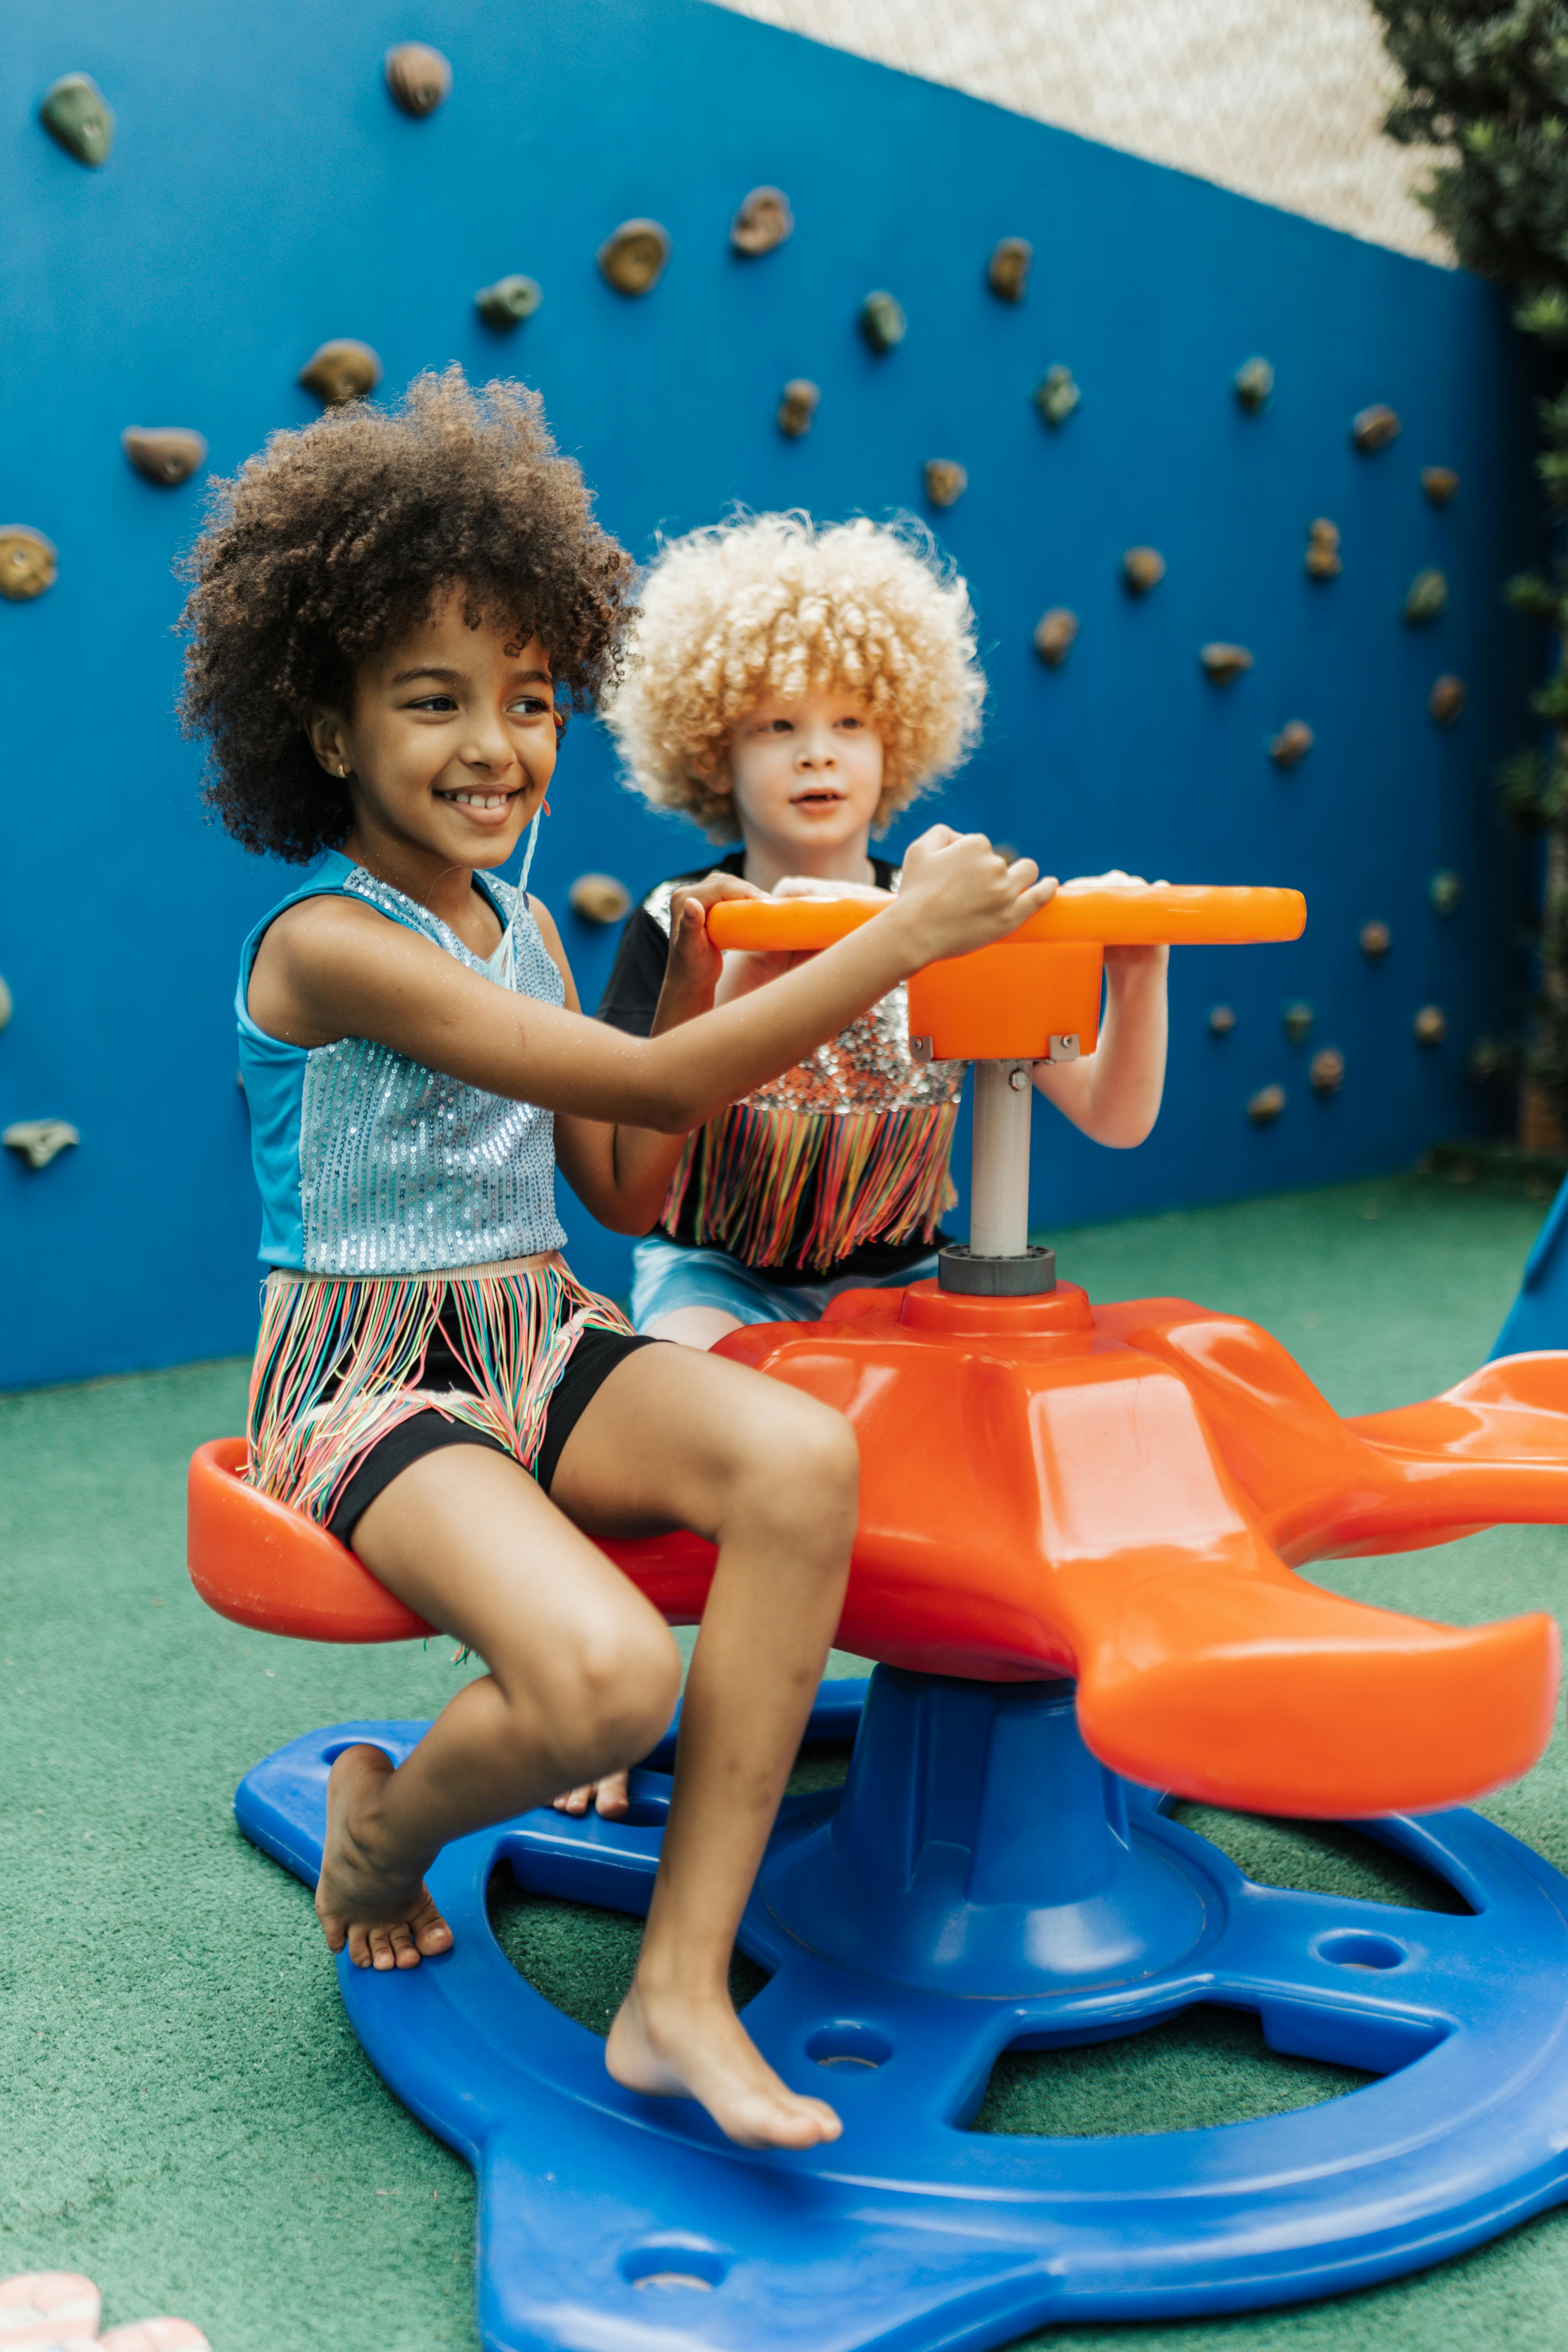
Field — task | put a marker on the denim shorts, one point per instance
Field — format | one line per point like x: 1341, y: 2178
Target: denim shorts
x: 666, y: 1276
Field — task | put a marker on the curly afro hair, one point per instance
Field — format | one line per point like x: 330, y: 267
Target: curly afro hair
x: 338, y: 539
x: 777, y: 605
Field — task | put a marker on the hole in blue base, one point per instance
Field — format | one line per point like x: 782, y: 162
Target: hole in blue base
x: 1208, y: 2066
x: 847, y: 2043
x: 1357, y: 1948
x: 581, y: 1960
x: 1321, y: 1858
x: 675, y: 2266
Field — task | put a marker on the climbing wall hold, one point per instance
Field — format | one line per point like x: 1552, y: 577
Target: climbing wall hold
x: 1297, y: 1020
x: 1054, y: 634
x: 945, y: 481
x: 5, y: 1006
x: 77, y: 116
x: 1327, y: 1070
x: 1425, y: 596
x: 1440, y: 484
x: 339, y: 371
x: 508, y: 301
x: 418, y: 77
x: 1373, y: 428
x: 882, y: 321
x: 1143, y: 568
x: 632, y: 257
x: 1446, y: 700
x: 1222, y: 1020
x: 599, y: 897
x: 1252, y: 384
x: 28, y: 564
x: 1057, y: 395
x: 1431, y: 1026
x: 762, y: 222
x: 1223, y: 664
x: 797, y: 406
x: 1375, y: 939
x: 1322, y: 557
x: 1293, y: 743
x: 39, y: 1141
x: 1447, y: 889
x: 1007, y: 271
x: 165, y: 454
x: 1265, y: 1107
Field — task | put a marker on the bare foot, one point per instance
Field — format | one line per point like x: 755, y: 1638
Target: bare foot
x: 686, y: 2048
x: 387, y: 1919
x: 612, y: 1794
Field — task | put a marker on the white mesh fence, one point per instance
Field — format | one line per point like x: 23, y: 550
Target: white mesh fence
x: 1282, y: 99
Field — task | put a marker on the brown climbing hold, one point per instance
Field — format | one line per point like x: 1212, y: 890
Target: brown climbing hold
x: 945, y: 481
x: 1057, y: 395
x: 1440, y: 483
x: 77, y: 117
x: 1431, y: 1026
x: 1447, y: 888
x: 1253, y: 382
x: 39, y: 1141
x: 1291, y: 744
x: 340, y: 371
x: 1322, y: 557
x: 1265, y: 1107
x: 1222, y: 1020
x: 1375, y: 939
x: 599, y: 897
x: 418, y: 77
x: 1297, y: 1020
x: 1327, y: 1070
x: 1007, y: 271
x: 1446, y: 700
x: 165, y: 454
x: 1143, y: 568
x: 508, y: 301
x: 797, y: 406
x: 1373, y: 428
x: 1223, y: 664
x: 28, y: 564
x: 762, y: 222
x: 633, y: 256
x: 882, y: 321
x: 1425, y: 596
x: 1054, y: 635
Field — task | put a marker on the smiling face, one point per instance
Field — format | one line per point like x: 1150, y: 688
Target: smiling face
x: 448, y: 748
x: 806, y: 776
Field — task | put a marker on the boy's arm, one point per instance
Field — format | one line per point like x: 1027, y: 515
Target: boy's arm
x: 1113, y: 1094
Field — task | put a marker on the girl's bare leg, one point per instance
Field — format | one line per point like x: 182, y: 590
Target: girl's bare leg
x: 691, y: 1326
x: 583, y: 1678
x: 676, y: 1437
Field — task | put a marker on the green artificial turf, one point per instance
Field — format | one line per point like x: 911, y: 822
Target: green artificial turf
x: 184, y: 2113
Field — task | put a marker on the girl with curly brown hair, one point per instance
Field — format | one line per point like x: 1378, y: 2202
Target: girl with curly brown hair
x: 390, y: 612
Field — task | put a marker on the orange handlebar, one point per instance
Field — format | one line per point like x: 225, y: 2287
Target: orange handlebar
x: 1158, y: 914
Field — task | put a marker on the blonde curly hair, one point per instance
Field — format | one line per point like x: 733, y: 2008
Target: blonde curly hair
x: 777, y: 605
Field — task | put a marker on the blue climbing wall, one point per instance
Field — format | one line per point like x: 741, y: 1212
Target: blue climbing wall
x: 264, y: 194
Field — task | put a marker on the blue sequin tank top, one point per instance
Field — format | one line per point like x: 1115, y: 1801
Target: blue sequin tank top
x: 370, y: 1163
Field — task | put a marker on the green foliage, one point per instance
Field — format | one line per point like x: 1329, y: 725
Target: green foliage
x: 1486, y: 86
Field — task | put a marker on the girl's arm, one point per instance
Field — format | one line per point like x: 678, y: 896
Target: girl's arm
x: 330, y: 968
x: 621, y: 1173
x: 1113, y: 1094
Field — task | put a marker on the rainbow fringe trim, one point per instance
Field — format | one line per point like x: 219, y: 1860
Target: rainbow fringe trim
x: 771, y: 1185
x: 340, y: 1364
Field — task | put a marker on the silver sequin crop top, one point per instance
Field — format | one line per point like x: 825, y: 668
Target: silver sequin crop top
x: 370, y: 1163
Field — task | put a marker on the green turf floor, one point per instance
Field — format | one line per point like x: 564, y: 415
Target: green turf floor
x: 184, y: 2113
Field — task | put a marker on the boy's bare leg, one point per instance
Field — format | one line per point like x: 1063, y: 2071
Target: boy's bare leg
x: 582, y: 1675
x: 679, y: 1438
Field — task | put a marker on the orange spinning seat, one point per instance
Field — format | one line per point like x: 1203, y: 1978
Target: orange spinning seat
x: 1120, y: 1494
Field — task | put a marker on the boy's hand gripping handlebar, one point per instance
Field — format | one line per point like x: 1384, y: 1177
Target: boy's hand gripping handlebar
x: 1032, y: 997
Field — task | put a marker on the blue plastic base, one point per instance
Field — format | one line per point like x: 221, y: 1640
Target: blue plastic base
x: 982, y: 1884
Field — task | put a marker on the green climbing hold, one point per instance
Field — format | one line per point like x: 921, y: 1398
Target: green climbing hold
x: 77, y: 115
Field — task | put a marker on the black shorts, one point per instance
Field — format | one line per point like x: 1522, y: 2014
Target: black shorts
x: 590, y: 1364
